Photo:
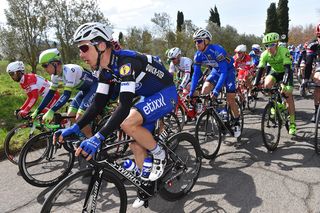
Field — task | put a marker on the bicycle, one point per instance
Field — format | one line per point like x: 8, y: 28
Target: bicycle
x: 274, y: 116
x: 23, y: 132
x: 211, y: 125
x: 316, y: 140
x: 246, y: 97
x: 44, y: 164
x: 101, y: 187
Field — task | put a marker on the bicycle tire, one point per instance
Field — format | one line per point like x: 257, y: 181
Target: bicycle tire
x: 181, y: 114
x: 208, y: 134
x: 251, y: 102
x: 316, y: 139
x: 173, y: 124
x: 184, y: 143
x: 80, y: 181
x: 270, y: 122
x: 15, y: 140
x: 40, y: 170
x: 241, y: 118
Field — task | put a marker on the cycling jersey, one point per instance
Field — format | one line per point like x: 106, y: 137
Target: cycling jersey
x: 185, y: 66
x: 73, y: 76
x: 313, y: 47
x: 216, y: 57
x: 242, y: 65
x: 34, y: 85
x: 140, y: 75
x: 255, y: 58
x: 277, y: 61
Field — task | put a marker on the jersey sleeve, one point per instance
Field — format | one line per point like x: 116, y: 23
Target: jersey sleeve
x: 263, y: 59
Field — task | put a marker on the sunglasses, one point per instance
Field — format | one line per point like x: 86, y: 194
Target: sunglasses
x: 198, y: 41
x: 171, y: 59
x: 270, y: 45
x: 85, y: 47
x: 45, y: 65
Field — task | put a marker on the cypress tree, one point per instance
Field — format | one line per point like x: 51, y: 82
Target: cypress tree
x: 180, y: 21
x: 283, y: 18
x: 272, y: 24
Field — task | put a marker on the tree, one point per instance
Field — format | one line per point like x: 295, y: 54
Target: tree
x: 27, y: 25
x: 66, y: 17
x: 214, y: 16
x: 272, y: 24
x: 299, y: 34
x: 163, y: 24
x: 9, y: 47
x: 180, y: 21
x: 283, y: 18
x: 120, y: 38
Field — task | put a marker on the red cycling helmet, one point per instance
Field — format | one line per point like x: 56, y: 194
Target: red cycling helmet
x: 318, y: 30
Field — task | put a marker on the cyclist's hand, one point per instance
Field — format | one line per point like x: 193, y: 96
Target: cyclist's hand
x: 34, y: 114
x: 61, y: 133
x: 90, y: 146
x: 48, y: 116
x: 22, y: 113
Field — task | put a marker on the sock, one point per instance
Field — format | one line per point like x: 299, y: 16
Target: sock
x: 158, y: 152
x: 292, y: 119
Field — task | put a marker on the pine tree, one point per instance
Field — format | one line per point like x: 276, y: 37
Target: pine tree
x: 283, y: 18
x: 272, y: 24
x: 180, y: 21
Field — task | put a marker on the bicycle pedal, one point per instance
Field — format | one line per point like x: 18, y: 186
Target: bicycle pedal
x: 146, y: 204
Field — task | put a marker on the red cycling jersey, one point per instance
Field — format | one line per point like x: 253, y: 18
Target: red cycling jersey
x: 35, y: 85
x: 243, y: 65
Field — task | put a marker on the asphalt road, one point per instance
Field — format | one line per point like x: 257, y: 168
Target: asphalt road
x: 243, y: 178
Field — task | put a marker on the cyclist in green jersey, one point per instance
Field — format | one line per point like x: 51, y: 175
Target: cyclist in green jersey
x: 278, y: 58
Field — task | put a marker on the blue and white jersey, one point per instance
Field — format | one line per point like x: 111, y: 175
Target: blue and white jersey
x: 216, y: 57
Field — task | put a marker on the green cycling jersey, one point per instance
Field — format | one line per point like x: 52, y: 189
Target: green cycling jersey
x: 277, y: 61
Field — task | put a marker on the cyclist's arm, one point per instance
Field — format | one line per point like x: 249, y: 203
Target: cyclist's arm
x: 31, y: 100
x: 63, y: 99
x: 223, y: 66
x: 195, y: 77
x: 46, y: 100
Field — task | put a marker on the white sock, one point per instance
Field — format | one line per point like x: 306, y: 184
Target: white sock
x: 158, y: 152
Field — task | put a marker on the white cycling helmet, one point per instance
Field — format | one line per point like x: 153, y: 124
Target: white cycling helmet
x: 174, y: 52
x: 15, y: 66
x: 256, y: 47
x: 241, y: 48
x: 92, y: 30
x: 202, y: 34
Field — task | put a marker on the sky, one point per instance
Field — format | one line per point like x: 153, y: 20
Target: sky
x: 247, y: 16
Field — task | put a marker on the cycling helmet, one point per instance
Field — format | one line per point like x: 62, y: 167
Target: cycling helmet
x: 256, y: 47
x: 241, y: 48
x: 15, y: 66
x: 49, y: 55
x: 270, y: 38
x: 174, y: 52
x: 202, y: 34
x: 92, y: 30
x: 318, y: 30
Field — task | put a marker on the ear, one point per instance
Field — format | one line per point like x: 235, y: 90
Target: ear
x: 206, y: 41
x: 102, y: 46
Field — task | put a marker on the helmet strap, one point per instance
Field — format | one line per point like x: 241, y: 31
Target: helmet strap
x: 55, y: 68
x: 98, y: 67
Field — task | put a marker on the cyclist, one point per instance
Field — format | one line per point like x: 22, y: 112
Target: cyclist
x: 72, y: 77
x: 222, y: 72
x: 181, y: 65
x: 278, y: 58
x: 33, y: 85
x: 312, y: 50
x: 243, y: 64
x: 255, y: 54
x: 140, y: 75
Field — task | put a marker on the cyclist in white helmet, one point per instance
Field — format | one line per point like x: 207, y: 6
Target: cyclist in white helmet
x: 181, y: 65
x: 33, y: 85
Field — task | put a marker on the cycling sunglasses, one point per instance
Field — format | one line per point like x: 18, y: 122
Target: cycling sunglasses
x: 198, y: 41
x: 270, y: 45
x: 45, y: 65
x: 85, y: 47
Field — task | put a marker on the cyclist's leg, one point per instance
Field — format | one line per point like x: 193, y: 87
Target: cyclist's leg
x: 316, y: 79
x: 291, y: 106
x: 210, y: 82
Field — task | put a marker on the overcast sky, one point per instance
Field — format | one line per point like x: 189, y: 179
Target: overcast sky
x: 247, y: 16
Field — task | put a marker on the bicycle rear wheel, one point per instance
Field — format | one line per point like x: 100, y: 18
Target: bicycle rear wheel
x: 15, y: 140
x: 70, y: 194
x: 251, y: 101
x: 181, y: 114
x: 270, y: 127
x: 183, y: 166
x: 42, y: 166
x: 208, y: 134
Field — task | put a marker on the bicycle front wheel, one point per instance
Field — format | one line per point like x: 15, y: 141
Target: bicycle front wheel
x: 70, y: 194
x: 183, y: 166
x: 41, y: 165
x: 15, y: 140
x: 270, y: 127
x: 208, y: 134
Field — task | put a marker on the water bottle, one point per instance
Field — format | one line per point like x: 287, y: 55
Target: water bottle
x: 146, y: 168
x: 223, y: 114
x: 131, y: 166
